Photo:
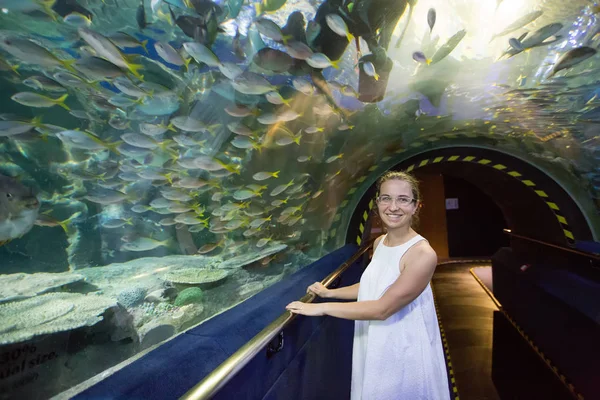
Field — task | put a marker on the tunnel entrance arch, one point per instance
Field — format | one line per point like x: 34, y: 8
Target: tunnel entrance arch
x: 532, y: 202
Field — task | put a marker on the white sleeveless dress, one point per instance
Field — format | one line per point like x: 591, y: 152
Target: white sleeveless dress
x: 401, y: 358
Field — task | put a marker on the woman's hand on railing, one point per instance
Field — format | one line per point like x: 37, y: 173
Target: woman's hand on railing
x: 310, y: 309
x: 319, y: 289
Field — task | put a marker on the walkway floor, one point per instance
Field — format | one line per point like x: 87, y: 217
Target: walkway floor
x: 466, y: 312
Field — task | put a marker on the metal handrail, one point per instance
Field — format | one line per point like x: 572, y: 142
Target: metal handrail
x: 578, y: 252
x: 230, y: 367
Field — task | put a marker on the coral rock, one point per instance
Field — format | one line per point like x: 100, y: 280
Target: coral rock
x: 22, y: 286
x: 50, y: 313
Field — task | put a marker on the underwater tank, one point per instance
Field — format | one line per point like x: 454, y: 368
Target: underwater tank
x: 162, y: 161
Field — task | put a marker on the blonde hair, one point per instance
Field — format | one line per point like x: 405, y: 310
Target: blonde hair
x: 414, y: 185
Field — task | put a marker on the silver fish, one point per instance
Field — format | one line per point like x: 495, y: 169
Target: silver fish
x: 19, y: 209
x: 144, y: 244
x: 202, y: 54
x: 520, y: 23
x: 573, y: 57
x: 12, y: 128
x: 431, y: 17
x: 32, y: 53
x: 44, y: 83
x: 169, y: 54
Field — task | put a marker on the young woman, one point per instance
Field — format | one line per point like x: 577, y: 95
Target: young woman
x: 397, y: 352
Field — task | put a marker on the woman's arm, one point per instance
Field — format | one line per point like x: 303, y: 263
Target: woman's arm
x: 414, y: 279
x: 343, y: 293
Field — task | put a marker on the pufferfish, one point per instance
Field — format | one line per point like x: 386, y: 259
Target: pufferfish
x: 19, y: 208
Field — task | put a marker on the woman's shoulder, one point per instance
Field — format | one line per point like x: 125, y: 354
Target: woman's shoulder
x: 377, y: 241
x: 423, y: 249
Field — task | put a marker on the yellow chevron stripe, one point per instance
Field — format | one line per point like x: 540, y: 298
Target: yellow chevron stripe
x: 446, y: 350
x: 365, y: 216
x: 361, y: 228
x: 361, y: 179
x: 352, y: 191
x: 500, y: 167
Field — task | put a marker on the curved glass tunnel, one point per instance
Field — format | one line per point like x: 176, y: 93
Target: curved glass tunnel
x: 163, y: 161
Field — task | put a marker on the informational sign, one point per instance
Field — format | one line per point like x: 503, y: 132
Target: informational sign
x: 33, y: 369
x: 451, y: 204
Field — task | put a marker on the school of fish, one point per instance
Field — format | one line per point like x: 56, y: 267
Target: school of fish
x: 218, y: 118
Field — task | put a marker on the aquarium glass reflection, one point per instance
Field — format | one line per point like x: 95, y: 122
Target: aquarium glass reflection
x: 163, y: 160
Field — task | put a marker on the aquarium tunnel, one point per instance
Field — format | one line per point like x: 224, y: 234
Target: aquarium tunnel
x: 173, y: 173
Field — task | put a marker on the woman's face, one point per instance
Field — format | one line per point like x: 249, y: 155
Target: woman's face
x: 395, y: 209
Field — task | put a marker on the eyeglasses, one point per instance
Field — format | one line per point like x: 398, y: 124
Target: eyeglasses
x: 387, y: 200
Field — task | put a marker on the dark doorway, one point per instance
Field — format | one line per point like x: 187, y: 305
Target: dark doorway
x: 475, y: 227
